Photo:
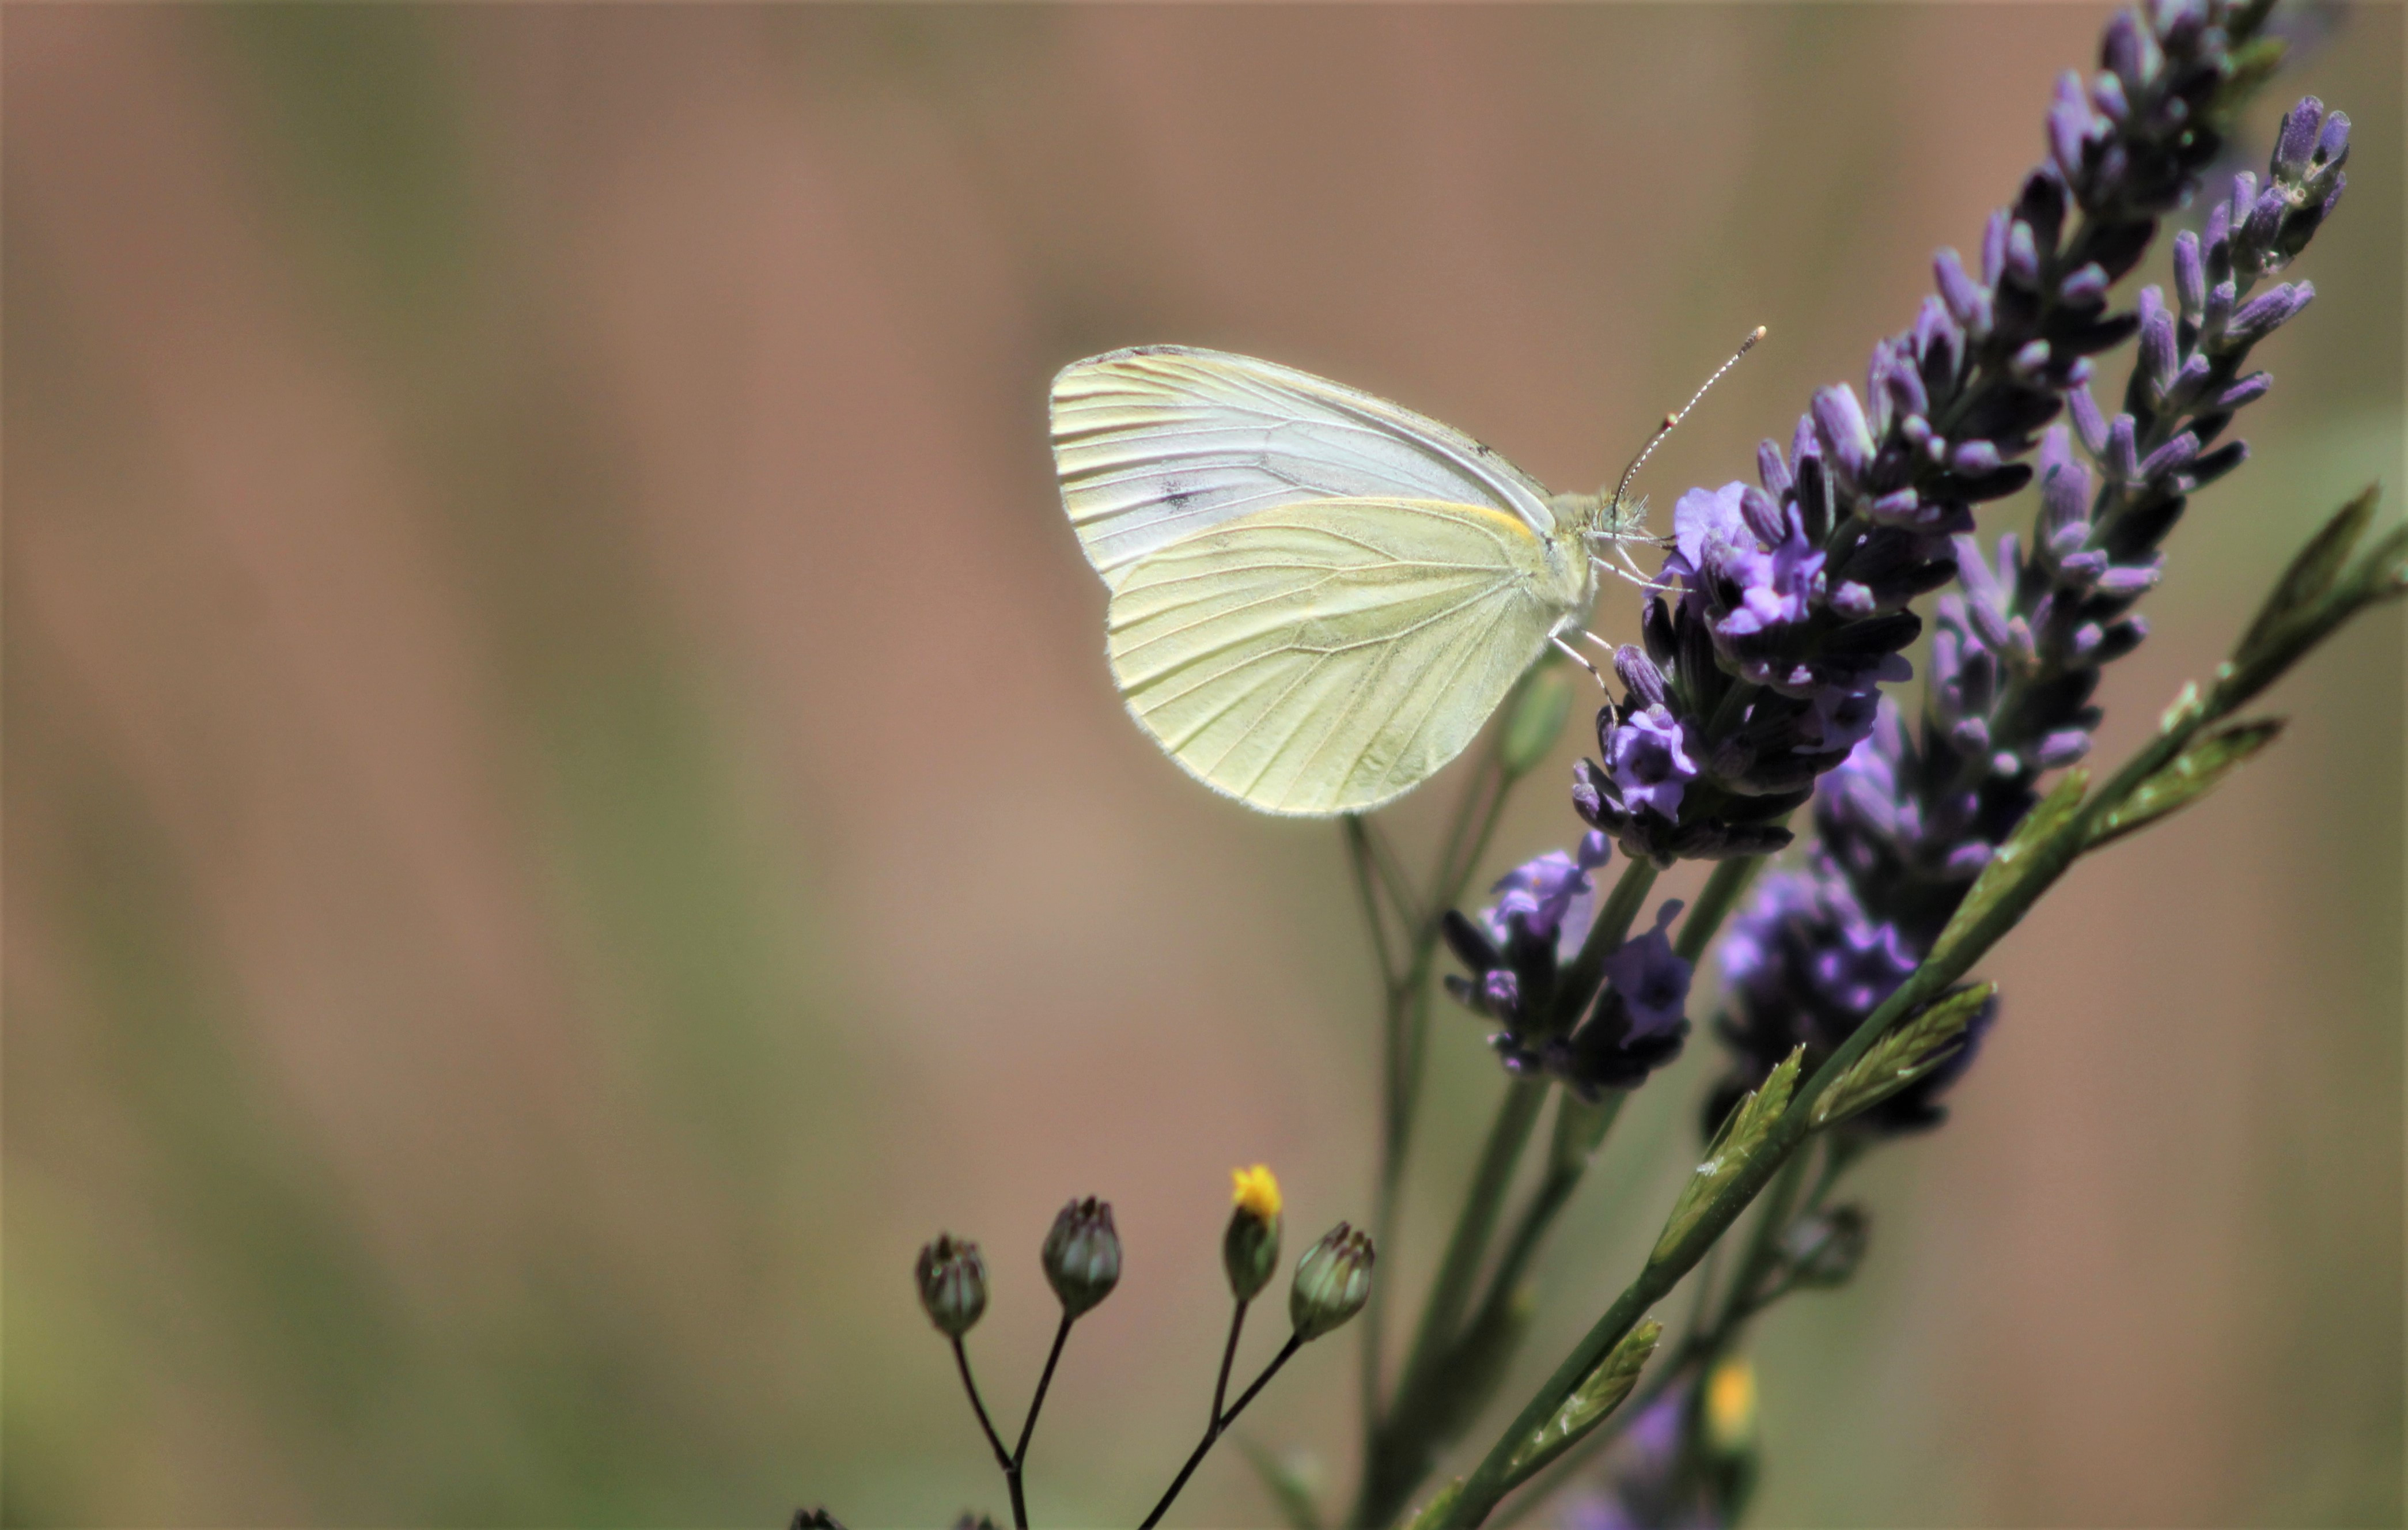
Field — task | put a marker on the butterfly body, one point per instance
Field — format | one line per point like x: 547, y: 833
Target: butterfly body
x: 1317, y: 597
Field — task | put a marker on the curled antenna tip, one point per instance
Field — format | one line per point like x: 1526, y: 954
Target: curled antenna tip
x: 1757, y: 335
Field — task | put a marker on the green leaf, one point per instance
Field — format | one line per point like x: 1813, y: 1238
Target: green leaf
x: 1592, y: 1402
x: 2383, y: 573
x: 1738, y: 1140
x: 1287, y: 1483
x: 2194, y: 773
x: 2310, y: 575
x: 1904, y: 1055
x: 2029, y: 850
x: 1535, y: 716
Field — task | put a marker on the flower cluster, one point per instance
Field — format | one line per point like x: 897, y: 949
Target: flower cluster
x: 1912, y: 817
x: 1517, y: 951
x: 1790, y: 596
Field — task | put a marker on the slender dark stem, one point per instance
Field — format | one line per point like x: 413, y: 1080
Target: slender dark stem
x: 1045, y: 1380
x: 1221, y: 1422
x: 962, y: 1359
x: 1229, y: 1357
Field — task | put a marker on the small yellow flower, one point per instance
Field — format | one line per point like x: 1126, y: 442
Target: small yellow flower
x: 1731, y: 1404
x: 1258, y: 1192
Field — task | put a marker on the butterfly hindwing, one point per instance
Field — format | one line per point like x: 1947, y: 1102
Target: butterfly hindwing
x: 1157, y: 444
x: 1327, y: 656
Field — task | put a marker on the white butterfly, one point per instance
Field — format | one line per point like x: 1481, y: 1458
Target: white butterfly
x: 1317, y: 596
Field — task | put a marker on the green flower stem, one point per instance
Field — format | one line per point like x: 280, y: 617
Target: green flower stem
x: 1483, y: 1202
x: 1405, y: 1007
x: 1229, y: 1357
x: 1565, y: 1169
x: 1715, y: 900
x: 1400, y: 1445
x: 994, y: 1441
x: 1220, y: 1424
x: 1014, y: 1469
x: 1579, y: 982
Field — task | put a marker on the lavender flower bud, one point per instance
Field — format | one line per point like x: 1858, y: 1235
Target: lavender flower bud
x: 1083, y: 1255
x: 2022, y: 260
x: 2267, y: 312
x: 2218, y: 234
x: 2332, y: 145
x: 2107, y: 94
x: 2123, y: 461
x: 2061, y: 747
x: 1770, y: 470
x: 2190, y: 274
x: 1640, y: 677
x: 2170, y: 457
x: 2127, y: 580
x: 2215, y: 465
x: 1763, y: 516
x: 2068, y: 121
x: 2129, y: 50
x: 1839, y: 424
x: 2297, y: 143
x: 2265, y: 224
x: 2220, y: 300
x: 2088, y: 422
x: 2157, y: 359
x: 1994, y: 248
x: 2084, y: 287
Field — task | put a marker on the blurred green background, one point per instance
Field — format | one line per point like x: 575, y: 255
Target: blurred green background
x: 565, y: 808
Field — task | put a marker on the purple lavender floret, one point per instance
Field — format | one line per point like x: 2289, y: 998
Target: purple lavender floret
x: 1553, y: 896
x: 1654, y: 983
x: 1910, y: 820
x: 1517, y: 951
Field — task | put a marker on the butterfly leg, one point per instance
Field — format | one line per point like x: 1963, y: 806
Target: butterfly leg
x: 1581, y: 659
x: 1653, y: 586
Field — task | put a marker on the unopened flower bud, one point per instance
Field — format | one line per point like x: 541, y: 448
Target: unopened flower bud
x: 1083, y: 1255
x: 953, y: 1284
x: 1825, y: 1248
x: 1249, y: 1250
x: 1333, y: 1280
x: 1729, y: 1411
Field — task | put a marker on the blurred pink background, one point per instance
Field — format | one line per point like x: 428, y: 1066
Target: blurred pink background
x: 566, y: 811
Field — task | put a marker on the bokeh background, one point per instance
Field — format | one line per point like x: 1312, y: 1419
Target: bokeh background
x: 565, y: 808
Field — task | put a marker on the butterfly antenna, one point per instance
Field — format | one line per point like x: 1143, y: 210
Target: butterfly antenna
x: 1681, y: 413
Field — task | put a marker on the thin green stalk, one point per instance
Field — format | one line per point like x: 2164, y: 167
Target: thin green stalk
x: 994, y: 1440
x: 1564, y: 1173
x: 1483, y: 1203
x: 1715, y: 900
x: 1406, y: 1017
x: 1220, y: 1424
x: 1398, y: 1445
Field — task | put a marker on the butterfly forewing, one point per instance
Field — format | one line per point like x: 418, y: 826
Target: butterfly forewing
x: 1327, y: 656
x: 1157, y: 444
